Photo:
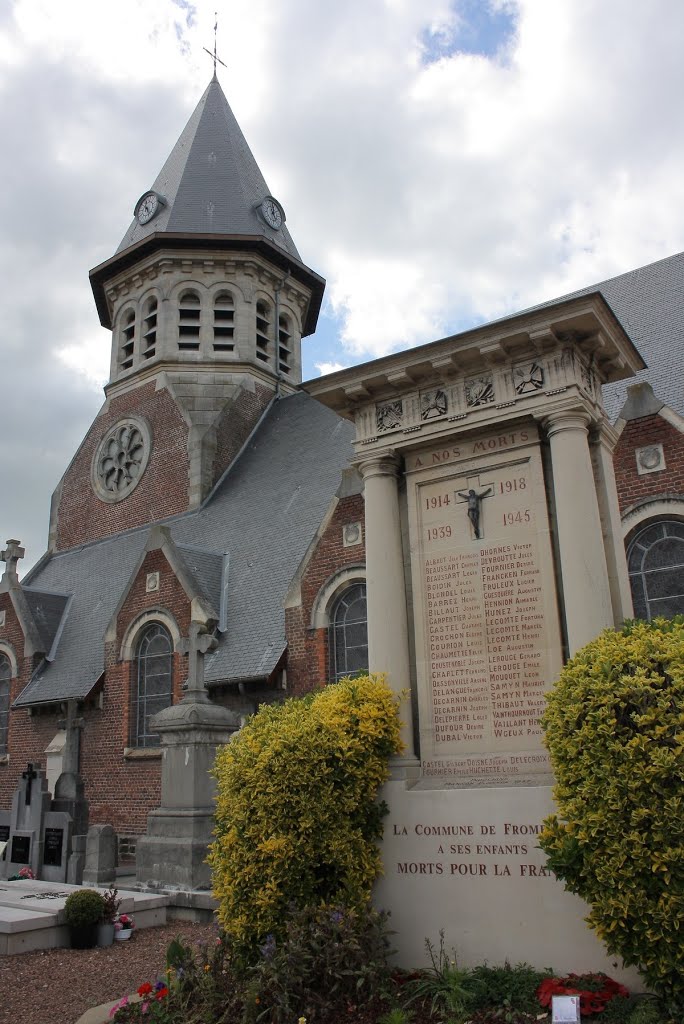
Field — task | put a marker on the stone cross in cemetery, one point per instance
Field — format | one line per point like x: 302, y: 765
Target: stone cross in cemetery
x: 10, y: 556
x: 69, y: 796
x: 24, y: 824
x: 196, y: 646
x: 493, y: 550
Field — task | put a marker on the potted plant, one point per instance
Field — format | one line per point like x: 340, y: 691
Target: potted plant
x: 105, y: 929
x: 83, y: 912
x: 123, y: 927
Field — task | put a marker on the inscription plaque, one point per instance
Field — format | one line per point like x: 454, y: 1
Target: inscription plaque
x: 52, y: 850
x: 21, y: 849
x: 489, y: 630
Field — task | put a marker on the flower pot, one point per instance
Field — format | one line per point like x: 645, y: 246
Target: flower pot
x: 83, y: 936
x: 123, y: 934
x: 105, y: 933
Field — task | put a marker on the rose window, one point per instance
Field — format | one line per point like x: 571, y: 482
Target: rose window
x: 121, y: 460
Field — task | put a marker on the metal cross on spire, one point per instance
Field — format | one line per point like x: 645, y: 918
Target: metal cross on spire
x: 213, y: 55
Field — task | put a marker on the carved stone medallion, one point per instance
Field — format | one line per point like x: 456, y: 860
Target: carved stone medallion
x: 389, y: 415
x: 528, y: 377
x: 121, y: 459
x: 479, y: 391
x: 433, y: 404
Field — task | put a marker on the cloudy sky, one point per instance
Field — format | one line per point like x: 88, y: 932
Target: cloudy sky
x: 441, y: 162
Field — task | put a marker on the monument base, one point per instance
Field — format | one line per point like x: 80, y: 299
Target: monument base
x: 467, y: 861
x: 174, y: 851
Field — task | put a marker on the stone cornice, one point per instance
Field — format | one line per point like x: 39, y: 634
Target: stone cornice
x: 156, y: 370
x: 585, y: 327
x: 198, y: 249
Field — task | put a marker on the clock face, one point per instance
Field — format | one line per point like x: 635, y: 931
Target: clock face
x: 272, y: 212
x: 147, y: 207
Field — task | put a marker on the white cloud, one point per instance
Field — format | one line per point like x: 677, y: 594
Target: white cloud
x: 430, y: 195
x: 324, y: 368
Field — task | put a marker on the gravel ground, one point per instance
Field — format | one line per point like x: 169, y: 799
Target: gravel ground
x: 55, y: 986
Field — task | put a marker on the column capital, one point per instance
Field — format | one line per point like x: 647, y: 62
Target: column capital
x: 566, y: 420
x: 604, y: 433
x: 385, y: 463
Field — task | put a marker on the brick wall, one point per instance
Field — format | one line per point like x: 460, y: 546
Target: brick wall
x: 120, y: 791
x: 28, y: 736
x: 307, y: 658
x: 649, y: 430
x: 163, y: 488
x: 237, y: 421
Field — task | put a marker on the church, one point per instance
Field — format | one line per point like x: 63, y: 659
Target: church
x: 214, y: 491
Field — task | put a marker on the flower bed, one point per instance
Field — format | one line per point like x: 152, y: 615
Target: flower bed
x: 311, y: 978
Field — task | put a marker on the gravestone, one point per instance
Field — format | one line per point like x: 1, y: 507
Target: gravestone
x: 30, y: 802
x: 100, y: 862
x: 5, y: 819
x: 493, y: 551
x: 57, y: 826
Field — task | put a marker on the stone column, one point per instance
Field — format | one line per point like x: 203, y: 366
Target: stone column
x: 388, y: 648
x: 586, y: 590
x: 602, y: 447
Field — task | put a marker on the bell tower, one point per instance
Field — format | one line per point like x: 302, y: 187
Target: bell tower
x: 207, y: 300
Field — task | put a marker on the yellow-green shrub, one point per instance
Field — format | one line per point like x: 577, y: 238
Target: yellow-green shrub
x: 296, y: 817
x: 614, y: 727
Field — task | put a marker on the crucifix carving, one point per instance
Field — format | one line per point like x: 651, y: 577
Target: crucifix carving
x: 474, y: 497
x: 10, y: 556
x: 196, y: 646
x: 30, y: 774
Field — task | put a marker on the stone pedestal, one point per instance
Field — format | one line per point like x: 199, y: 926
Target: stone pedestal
x: 174, y: 850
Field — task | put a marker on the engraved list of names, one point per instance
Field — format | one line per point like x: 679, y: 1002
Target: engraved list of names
x: 490, y: 632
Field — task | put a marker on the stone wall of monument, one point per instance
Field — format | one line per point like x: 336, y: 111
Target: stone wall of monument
x: 488, y: 641
x: 81, y: 516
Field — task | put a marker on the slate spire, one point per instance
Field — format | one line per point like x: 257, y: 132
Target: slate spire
x: 211, y: 183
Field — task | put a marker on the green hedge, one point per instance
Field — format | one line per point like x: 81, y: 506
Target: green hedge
x: 614, y: 727
x: 297, y: 815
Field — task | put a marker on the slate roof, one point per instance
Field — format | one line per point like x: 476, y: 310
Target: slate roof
x: 211, y: 182
x: 243, y: 548
x: 649, y: 303
x: 47, y: 611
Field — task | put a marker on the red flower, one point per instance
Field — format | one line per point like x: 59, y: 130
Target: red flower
x: 145, y: 989
x: 595, y: 991
x: 162, y: 992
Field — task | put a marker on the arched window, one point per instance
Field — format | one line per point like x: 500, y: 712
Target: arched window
x: 224, y: 322
x: 127, y: 339
x: 189, y: 310
x: 349, y: 633
x: 153, y: 686
x: 655, y: 558
x: 263, y: 332
x: 149, y: 340
x: 5, y: 681
x: 284, y: 344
